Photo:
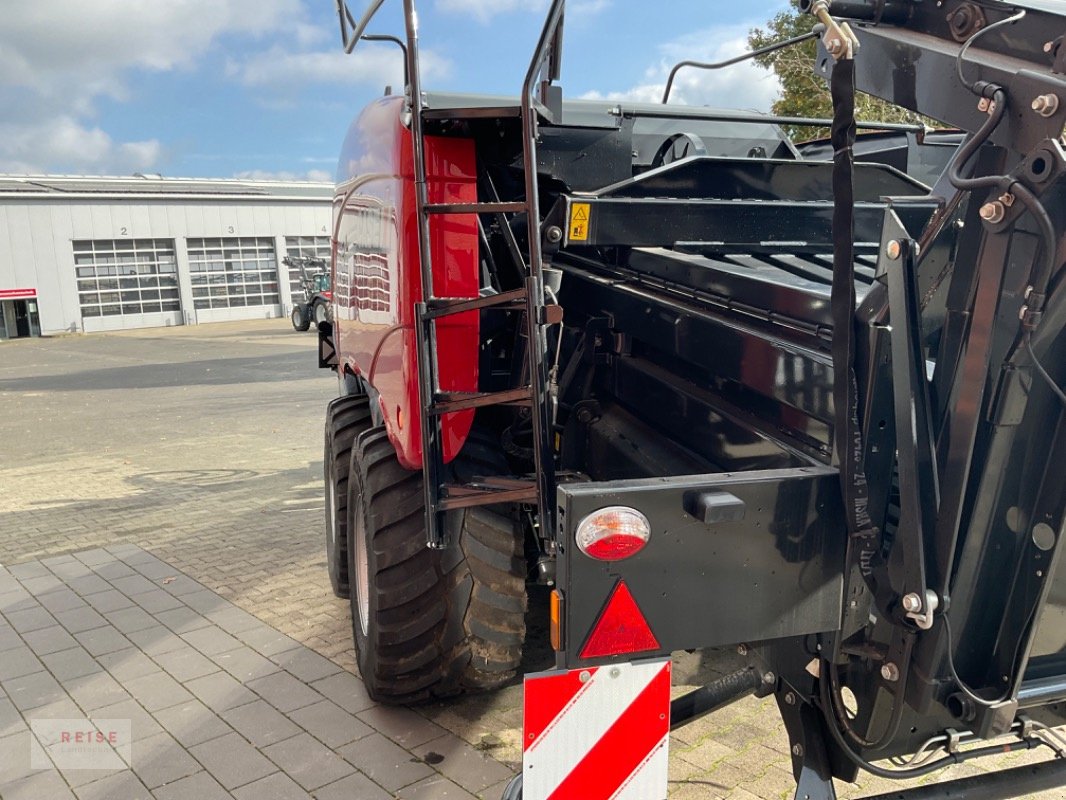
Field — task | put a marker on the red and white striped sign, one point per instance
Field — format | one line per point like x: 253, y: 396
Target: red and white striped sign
x: 600, y: 733
x: 17, y: 294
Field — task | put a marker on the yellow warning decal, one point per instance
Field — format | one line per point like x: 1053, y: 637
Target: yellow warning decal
x: 579, y: 222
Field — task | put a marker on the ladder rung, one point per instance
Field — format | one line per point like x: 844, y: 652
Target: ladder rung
x: 443, y: 306
x: 446, y: 402
x: 475, y: 208
x: 467, y: 496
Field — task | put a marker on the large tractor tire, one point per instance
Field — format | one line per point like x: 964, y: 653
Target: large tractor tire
x: 321, y: 312
x: 428, y: 623
x: 301, y: 318
x: 346, y: 418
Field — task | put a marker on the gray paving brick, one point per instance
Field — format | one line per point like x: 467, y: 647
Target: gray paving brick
x: 125, y: 665
x: 45, y: 583
x: 124, y: 549
x: 264, y: 639
x: 109, y: 600
x: 63, y: 708
x: 220, y: 691
x: 18, y: 661
x: 124, y: 785
x: 99, y: 641
x: 80, y: 777
x: 35, y: 689
x: 96, y: 691
x: 17, y: 600
x: 154, y: 641
x: 38, y: 786
x: 233, y: 620
x: 470, y: 768
x: 245, y: 664
x: 157, y: 691
x: 305, y: 664
x: 192, y: 723
x: 144, y: 725
x: 434, y: 788
x: 94, y: 556
x: 77, y: 620
x: 156, y: 600
x: 183, y: 586
x: 345, y: 690
x: 28, y: 569
x: 182, y: 620
x: 186, y: 663
x: 72, y: 663
x: 52, y: 561
x: 354, y: 786
x: 32, y: 619
x: 131, y: 619
x: 211, y: 641
x: 154, y: 570
x: 131, y: 554
x: 70, y: 570
x: 403, y: 726
x: 307, y: 761
x: 113, y: 570
x: 133, y: 585
x: 274, y: 787
x: 260, y: 723
x: 89, y: 584
x: 8, y: 637
x: 10, y: 719
x: 330, y: 724
x: 232, y: 761
x: 284, y: 692
x: 385, y: 762
x: 49, y: 640
x: 60, y: 600
x: 15, y: 757
x: 203, y: 600
x: 159, y: 759
x: 200, y: 786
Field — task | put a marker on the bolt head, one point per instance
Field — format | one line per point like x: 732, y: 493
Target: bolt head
x: 893, y: 249
x: 585, y: 676
x: 993, y: 212
x: 742, y: 649
x: 912, y: 603
x: 1046, y: 105
x: 769, y: 678
x: 890, y: 672
x: 797, y: 750
x: 790, y: 699
x: 555, y: 234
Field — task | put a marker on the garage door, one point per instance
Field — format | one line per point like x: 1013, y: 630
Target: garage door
x: 127, y: 283
x: 234, y: 278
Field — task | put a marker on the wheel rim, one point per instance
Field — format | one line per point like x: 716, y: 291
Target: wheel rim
x: 320, y: 313
x: 362, y: 567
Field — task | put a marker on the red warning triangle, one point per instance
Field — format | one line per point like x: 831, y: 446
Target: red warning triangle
x: 621, y: 628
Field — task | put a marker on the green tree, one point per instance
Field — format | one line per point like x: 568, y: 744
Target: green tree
x: 804, y: 94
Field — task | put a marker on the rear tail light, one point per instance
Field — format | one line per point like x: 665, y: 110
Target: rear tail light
x: 613, y: 533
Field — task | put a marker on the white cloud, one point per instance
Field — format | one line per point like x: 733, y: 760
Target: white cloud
x: 285, y: 175
x: 65, y: 145
x: 742, y: 86
x: 58, y: 57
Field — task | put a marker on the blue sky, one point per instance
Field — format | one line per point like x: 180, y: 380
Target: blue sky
x: 260, y: 88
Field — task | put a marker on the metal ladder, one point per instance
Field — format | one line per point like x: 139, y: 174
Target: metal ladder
x: 441, y: 497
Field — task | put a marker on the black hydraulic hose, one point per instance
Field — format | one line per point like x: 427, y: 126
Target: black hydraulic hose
x: 970, y: 148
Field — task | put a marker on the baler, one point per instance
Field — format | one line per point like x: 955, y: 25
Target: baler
x: 714, y: 388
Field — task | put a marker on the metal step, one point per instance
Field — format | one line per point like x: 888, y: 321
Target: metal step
x: 443, y: 306
x: 474, y: 208
x: 447, y: 402
x: 483, y: 494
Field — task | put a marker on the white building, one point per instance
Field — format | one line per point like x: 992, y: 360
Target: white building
x: 96, y: 254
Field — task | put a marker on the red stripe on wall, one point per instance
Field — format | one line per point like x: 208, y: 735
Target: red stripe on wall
x: 17, y: 294
x: 624, y: 747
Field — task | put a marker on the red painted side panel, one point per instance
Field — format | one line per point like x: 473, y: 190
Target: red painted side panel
x: 376, y: 279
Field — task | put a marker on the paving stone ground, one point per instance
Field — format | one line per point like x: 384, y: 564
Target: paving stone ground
x: 161, y: 540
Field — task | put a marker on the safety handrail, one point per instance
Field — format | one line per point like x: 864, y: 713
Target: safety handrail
x: 347, y: 21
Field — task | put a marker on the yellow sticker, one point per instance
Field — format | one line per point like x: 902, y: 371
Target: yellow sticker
x: 579, y: 222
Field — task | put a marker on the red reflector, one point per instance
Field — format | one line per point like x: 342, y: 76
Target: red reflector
x: 615, y: 547
x: 621, y: 628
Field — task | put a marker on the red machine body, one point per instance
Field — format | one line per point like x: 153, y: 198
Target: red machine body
x: 376, y: 279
